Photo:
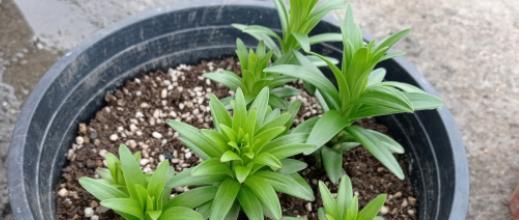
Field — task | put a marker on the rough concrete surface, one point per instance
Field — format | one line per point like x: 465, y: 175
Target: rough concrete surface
x: 466, y: 48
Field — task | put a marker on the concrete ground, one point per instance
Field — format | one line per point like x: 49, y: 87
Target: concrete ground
x: 467, y: 49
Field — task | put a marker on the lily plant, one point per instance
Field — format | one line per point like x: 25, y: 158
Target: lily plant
x: 345, y: 206
x: 253, y: 79
x: 133, y: 194
x: 297, y: 22
x: 359, y: 93
x: 245, y: 159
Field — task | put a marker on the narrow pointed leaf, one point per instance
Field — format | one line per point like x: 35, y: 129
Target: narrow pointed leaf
x: 193, y: 198
x: 371, y: 210
x: 124, y: 205
x: 225, y: 77
x: 224, y: 199
x: 100, y: 188
x: 329, y: 125
x: 333, y: 163
x: 250, y: 204
x: 383, y: 154
x: 180, y: 213
x: 266, y: 194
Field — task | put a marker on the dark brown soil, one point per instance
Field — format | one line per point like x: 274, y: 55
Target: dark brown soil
x: 136, y: 115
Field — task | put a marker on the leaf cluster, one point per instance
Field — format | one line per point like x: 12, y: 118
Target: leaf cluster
x: 253, y: 79
x: 345, y: 206
x: 297, y: 21
x: 245, y: 158
x: 133, y: 194
x: 359, y: 92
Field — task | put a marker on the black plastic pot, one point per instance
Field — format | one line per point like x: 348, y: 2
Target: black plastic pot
x: 73, y: 89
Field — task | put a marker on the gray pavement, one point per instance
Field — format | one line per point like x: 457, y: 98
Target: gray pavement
x: 466, y: 48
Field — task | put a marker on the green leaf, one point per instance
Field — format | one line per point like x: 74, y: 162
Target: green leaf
x: 260, y: 103
x: 257, y: 29
x: 325, y: 37
x: 386, y: 97
x: 180, y: 213
x: 288, y: 150
x: 329, y: 125
x: 376, y: 76
x: 332, y: 162
x: 285, y: 91
x: 266, y: 194
x: 234, y: 213
x: 205, y: 210
x: 283, y: 14
x: 131, y: 170
x: 100, y: 188
x: 303, y: 41
x: 345, y: 146
x: 242, y: 52
x: 159, y: 179
x: 229, y: 156
x: 124, y: 205
x: 321, y: 215
x: 239, y: 119
x: 268, y: 134
x: 353, y: 208
x: 242, y: 172
x: 250, y: 204
x: 296, y: 137
x: 305, y: 127
x: 310, y: 75
x: 371, y: 210
x: 329, y: 203
x: 423, y: 101
x: 344, y: 194
x: 269, y: 42
x: 219, y: 112
x: 225, y: 77
x: 351, y: 31
x: 268, y: 160
x: 187, y: 180
x: 224, y: 199
x: 212, y: 167
x: 393, y: 39
x: 195, y: 140
x: 386, y: 141
x: 194, y: 197
x: 383, y: 154
x: 419, y: 99
x: 293, y: 185
x: 290, y: 166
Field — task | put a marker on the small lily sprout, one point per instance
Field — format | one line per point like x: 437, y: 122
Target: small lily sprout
x: 345, y: 206
x: 360, y: 93
x: 297, y: 21
x: 134, y: 195
x: 245, y: 158
x: 253, y: 79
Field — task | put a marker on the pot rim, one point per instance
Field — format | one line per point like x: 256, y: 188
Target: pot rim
x: 20, y: 204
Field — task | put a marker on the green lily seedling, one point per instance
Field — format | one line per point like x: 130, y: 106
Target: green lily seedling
x: 253, y: 79
x: 245, y: 159
x: 360, y: 93
x: 134, y: 195
x: 345, y: 206
x: 296, y: 24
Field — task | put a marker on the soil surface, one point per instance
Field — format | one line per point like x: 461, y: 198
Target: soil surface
x: 136, y: 114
